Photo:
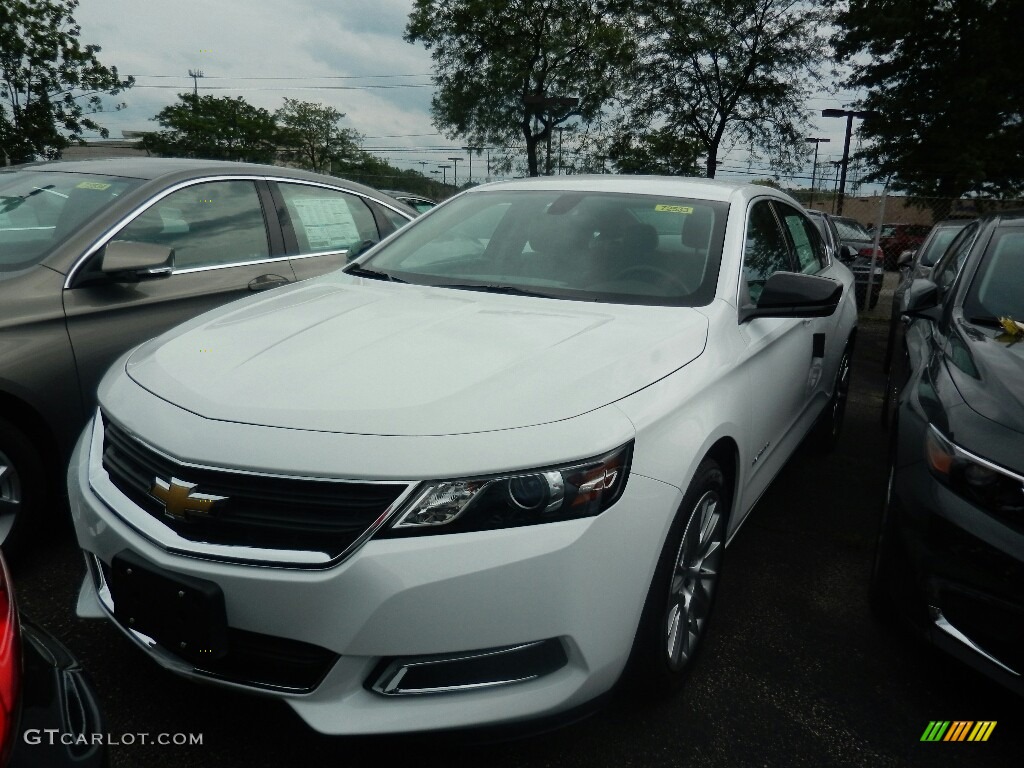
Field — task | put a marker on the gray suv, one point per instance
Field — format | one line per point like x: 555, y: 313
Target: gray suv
x: 97, y: 256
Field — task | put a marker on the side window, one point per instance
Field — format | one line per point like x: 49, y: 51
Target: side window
x: 328, y: 219
x: 948, y: 268
x: 209, y: 224
x: 806, y: 241
x: 766, y: 251
x: 396, y: 219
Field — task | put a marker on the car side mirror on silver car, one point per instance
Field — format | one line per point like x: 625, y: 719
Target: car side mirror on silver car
x: 126, y: 258
x: 792, y: 294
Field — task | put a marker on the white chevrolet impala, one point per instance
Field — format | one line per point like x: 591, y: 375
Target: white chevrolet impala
x: 482, y: 474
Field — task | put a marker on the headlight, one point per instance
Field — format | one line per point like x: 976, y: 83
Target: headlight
x: 979, y: 481
x: 581, y: 489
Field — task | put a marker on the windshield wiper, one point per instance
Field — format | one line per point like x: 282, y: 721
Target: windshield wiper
x: 991, y: 322
x: 506, y: 289
x: 373, y: 274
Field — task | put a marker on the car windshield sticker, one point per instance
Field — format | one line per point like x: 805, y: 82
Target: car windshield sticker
x: 328, y: 222
x: 674, y: 208
x: 98, y: 185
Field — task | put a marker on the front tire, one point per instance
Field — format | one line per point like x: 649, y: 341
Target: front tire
x: 682, y: 593
x: 22, y: 487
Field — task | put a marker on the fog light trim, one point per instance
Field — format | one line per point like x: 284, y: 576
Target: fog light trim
x: 471, y: 670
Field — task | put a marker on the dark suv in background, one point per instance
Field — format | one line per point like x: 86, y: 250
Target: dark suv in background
x: 97, y: 256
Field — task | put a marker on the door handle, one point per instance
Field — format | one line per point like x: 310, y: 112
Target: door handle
x: 266, y: 282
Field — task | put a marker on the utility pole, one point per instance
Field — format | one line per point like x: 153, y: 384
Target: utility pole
x: 849, y: 114
x: 444, y: 178
x: 814, y: 168
x: 195, y: 75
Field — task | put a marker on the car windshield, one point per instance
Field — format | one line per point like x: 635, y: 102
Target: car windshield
x: 938, y: 243
x: 997, y: 289
x: 849, y: 229
x: 39, y: 209
x: 593, y: 246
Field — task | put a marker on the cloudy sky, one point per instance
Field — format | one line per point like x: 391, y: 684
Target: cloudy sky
x: 348, y: 54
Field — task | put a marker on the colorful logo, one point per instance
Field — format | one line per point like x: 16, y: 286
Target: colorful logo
x: 958, y: 730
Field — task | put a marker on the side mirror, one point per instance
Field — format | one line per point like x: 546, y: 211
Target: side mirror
x: 906, y: 259
x: 125, y: 258
x: 791, y: 294
x: 846, y: 253
x: 921, y: 300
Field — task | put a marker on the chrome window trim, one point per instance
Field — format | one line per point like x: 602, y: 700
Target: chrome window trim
x: 111, y: 231
x: 250, y: 263
x: 338, y: 252
x: 159, y: 534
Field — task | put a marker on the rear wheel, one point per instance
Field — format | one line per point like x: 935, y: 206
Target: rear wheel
x: 682, y: 593
x: 830, y: 423
x: 22, y: 487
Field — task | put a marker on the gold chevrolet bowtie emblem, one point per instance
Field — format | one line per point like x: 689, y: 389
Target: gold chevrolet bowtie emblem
x: 179, y: 500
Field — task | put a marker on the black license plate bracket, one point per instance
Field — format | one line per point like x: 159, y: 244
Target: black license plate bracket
x: 183, y: 614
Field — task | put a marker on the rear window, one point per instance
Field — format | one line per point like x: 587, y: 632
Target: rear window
x: 850, y: 229
x: 39, y: 209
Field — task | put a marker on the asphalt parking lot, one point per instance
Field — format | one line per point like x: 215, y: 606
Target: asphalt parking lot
x: 794, y: 672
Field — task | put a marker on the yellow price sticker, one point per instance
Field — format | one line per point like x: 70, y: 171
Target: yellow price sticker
x: 674, y: 208
x: 98, y: 185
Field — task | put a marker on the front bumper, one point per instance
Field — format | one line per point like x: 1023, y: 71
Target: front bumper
x: 579, y: 584
x: 966, y: 573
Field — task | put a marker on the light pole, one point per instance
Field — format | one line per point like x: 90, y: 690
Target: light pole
x: 814, y: 168
x: 470, y: 151
x: 444, y: 178
x: 455, y: 173
x: 849, y: 114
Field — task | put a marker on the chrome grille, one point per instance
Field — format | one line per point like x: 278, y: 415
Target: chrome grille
x: 259, y: 511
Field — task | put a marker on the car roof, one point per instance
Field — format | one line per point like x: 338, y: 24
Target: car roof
x: 676, y: 186
x: 149, y: 168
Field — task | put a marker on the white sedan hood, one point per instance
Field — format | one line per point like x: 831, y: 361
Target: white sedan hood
x: 360, y: 356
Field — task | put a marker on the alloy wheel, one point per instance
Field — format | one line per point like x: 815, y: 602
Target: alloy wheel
x: 10, y: 495
x: 694, y: 577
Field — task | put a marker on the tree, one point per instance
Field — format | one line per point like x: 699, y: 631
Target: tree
x: 500, y: 67
x: 50, y: 81
x: 214, y: 128
x: 735, y: 71
x: 659, y: 151
x: 311, y: 137
x: 945, y: 91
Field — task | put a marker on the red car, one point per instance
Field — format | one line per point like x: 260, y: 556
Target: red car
x: 897, y: 238
x: 49, y: 713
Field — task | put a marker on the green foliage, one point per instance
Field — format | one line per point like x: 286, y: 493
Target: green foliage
x: 728, y: 71
x: 310, y: 135
x: 661, y: 151
x: 50, y: 81
x: 947, y: 92
x: 214, y: 128
x: 491, y: 57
